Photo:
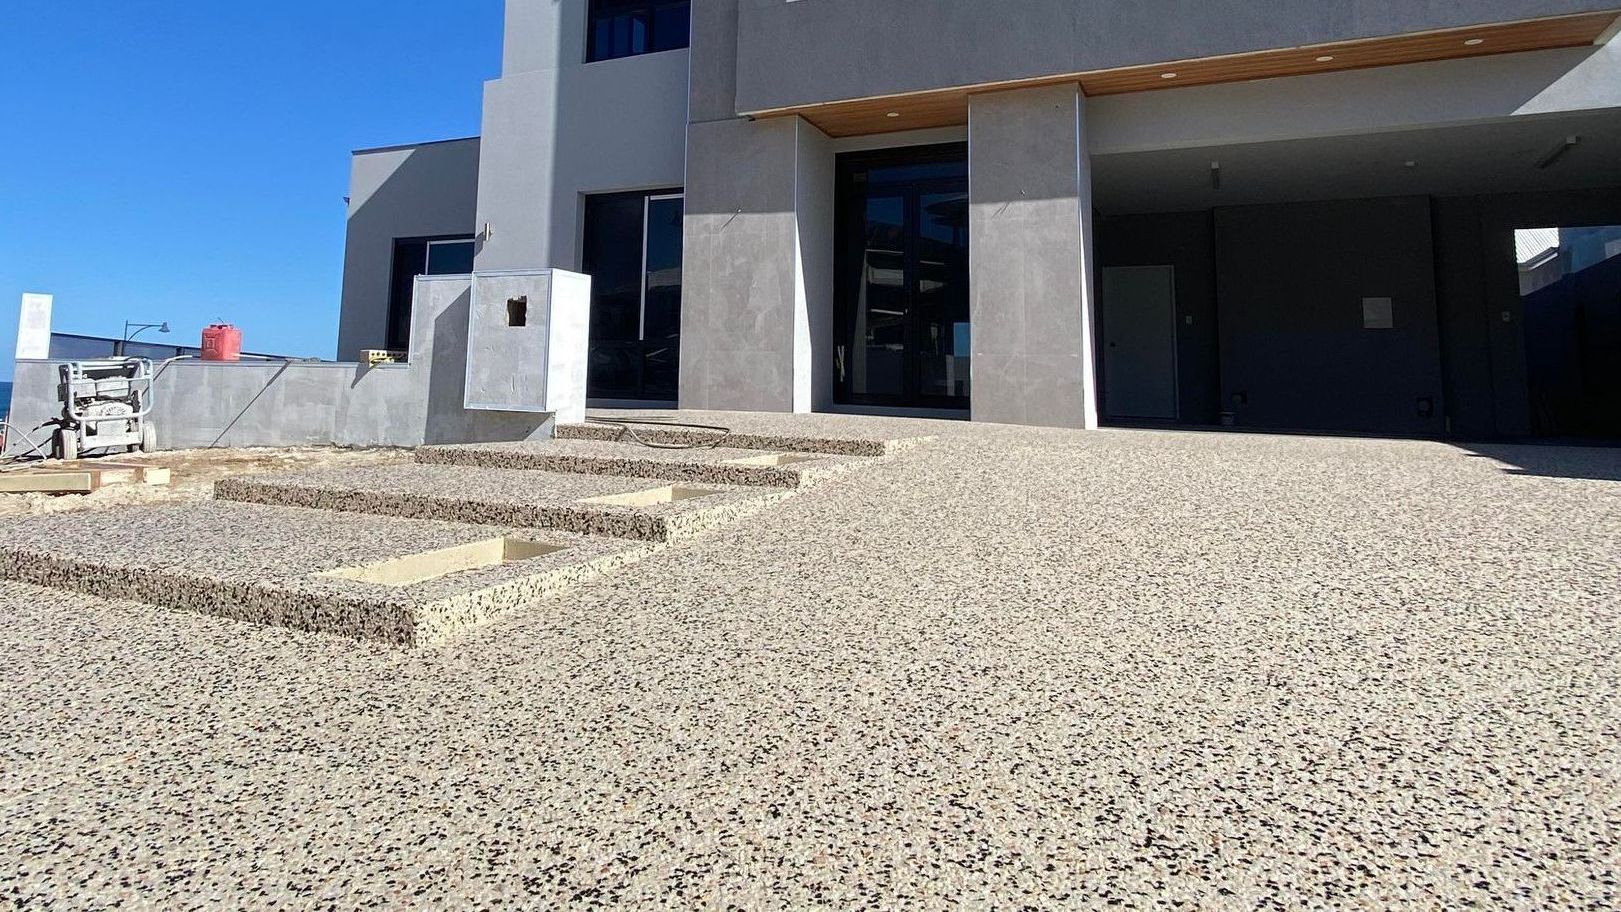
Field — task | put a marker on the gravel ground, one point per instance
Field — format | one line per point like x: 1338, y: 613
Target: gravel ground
x: 1008, y: 668
x: 194, y: 474
x: 508, y: 497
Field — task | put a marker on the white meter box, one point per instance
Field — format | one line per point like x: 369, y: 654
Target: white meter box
x: 527, y: 342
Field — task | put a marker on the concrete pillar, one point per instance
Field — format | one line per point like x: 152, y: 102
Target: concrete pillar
x: 1030, y: 237
x: 517, y: 173
x: 757, y: 271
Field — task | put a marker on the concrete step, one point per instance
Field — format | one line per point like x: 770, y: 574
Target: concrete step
x: 634, y: 508
x: 838, y: 435
x: 729, y: 466
x: 410, y: 582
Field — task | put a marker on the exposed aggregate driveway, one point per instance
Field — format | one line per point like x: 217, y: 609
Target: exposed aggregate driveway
x: 1010, y: 668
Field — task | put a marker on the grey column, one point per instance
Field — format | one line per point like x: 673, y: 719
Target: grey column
x: 757, y: 263
x: 1030, y: 237
x: 757, y: 266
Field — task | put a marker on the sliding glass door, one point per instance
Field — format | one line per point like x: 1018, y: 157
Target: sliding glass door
x: 632, y: 251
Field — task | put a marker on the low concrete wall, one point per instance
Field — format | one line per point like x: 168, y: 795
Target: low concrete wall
x: 198, y: 404
x: 250, y: 403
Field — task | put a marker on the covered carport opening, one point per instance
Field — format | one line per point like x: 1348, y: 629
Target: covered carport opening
x: 1459, y: 282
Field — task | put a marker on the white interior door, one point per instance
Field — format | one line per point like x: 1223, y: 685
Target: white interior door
x: 1139, y: 342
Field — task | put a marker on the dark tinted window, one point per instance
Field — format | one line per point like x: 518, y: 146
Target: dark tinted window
x: 414, y: 257
x: 624, y: 28
x: 410, y: 259
x: 612, y: 256
x: 632, y: 251
x: 450, y: 258
x: 662, y: 313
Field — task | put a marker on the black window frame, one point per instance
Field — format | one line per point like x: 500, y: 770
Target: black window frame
x: 648, y: 10
x: 397, y: 320
x: 853, y: 178
x: 643, y: 351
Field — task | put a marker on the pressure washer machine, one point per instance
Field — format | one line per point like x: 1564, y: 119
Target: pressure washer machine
x: 105, y: 404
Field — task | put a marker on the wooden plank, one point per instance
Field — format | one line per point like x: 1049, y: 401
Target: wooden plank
x: 131, y: 473
x: 155, y: 475
x: 48, y: 482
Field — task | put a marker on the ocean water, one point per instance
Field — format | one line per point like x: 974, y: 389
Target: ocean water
x: 5, y: 397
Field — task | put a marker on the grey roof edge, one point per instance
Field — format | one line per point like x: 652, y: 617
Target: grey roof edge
x: 415, y: 145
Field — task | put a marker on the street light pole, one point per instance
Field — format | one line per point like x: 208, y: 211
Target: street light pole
x: 139, y: 328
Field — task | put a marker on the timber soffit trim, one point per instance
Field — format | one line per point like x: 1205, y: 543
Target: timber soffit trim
x: 949, y: 107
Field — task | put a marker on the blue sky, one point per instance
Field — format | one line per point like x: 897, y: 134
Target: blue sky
x: 187, y: 160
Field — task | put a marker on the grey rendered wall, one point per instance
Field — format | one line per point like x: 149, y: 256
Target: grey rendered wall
x: 713, y: 91
x: 439, y: 327
x: 408, y: 191
x: 33, y: 401
x: 302, y: 402
x: 257, y: 404
x: 756, y: 328
x: 556, y: 128
x: 796, y: 53
x: 1184, y: 240
x: 1030, y: 286
x: 1290, y: 282
x: 739, y: 267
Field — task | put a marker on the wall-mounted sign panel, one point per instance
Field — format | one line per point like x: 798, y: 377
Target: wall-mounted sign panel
x: 1378, y: 313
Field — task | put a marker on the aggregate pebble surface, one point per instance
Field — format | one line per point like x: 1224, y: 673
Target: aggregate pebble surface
x: 1015, y: 669
x: 264, y: 564
x: 845, y: 435
x: 502, y: 497
x: 712, y: 465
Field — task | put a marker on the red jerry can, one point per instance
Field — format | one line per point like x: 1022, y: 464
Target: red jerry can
x: 222, y: 342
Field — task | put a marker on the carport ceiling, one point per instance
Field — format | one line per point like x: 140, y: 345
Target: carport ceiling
x: 1497, y: 157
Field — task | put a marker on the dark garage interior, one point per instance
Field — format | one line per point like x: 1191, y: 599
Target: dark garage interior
x: 1395, y: 309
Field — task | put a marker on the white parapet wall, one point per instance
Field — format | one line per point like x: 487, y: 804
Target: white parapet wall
x: 289, y: 403
x: 527, y: 342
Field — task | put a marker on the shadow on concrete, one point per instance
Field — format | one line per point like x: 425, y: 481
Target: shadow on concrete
x: 424, y: 190
x: 1553, y: 459
x: 448, y: 419
x: 1545, y: 457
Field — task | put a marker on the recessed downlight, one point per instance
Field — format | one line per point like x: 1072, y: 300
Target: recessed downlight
x: 1326, y: 58
x: 893, y: 114
x: 1167, y: 75
x: 1475, y: 42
